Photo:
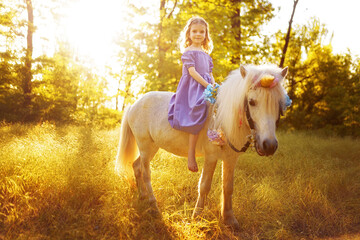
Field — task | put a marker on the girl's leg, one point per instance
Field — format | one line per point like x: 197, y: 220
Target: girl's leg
x: 192, y: 165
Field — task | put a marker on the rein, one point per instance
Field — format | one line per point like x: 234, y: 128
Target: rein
x: 243, y: 149
x: 217, y: 136
x: 251, y: 137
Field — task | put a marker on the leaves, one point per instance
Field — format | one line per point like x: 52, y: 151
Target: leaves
x: 324, y: 86
x: 320, y: 83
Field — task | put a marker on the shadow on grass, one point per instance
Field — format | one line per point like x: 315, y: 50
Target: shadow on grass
x: 148, y: 221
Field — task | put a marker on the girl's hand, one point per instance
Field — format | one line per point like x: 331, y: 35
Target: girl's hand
x: 212, y: 79
x: 212, y: 84
x: 210, y: 93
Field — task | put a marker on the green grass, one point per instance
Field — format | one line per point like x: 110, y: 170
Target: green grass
x: 59, y: 183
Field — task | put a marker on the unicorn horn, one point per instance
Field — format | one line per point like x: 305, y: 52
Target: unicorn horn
x: 267, y: 81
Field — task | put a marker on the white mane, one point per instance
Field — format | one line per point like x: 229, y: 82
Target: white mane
x: 231, y: 99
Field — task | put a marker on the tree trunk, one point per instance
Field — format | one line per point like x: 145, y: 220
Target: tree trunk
x: 287, y: 39
x: 161, y: 49
x: 117, y: 100
x: 27, y: 86
x: 235, y: 24
x: 240, y: 33
x: 162, y: 45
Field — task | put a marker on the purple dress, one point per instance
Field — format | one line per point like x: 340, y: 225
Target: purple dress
x: 187, y: 108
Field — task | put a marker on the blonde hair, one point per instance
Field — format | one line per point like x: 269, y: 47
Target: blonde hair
x: 185, y: 40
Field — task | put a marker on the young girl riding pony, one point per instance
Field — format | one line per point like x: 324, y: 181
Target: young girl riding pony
x: 187, y: 108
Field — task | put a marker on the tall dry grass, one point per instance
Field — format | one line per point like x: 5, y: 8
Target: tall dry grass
x: 59, y: 183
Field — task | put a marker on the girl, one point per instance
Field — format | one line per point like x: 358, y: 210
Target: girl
x: 188, y: 109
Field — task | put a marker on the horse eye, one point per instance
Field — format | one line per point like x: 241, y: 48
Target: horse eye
x: 252, y: 102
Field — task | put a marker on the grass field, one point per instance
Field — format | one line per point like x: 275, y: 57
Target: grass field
x: 59, y: 183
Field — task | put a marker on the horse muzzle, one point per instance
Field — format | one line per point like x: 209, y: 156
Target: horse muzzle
x: 267, y: 147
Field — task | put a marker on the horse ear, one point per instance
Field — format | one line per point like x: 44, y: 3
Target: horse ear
x: 284, y: 72
x: 243, y: 71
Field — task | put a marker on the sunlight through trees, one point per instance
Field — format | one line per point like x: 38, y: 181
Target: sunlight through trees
x: 102, y: 56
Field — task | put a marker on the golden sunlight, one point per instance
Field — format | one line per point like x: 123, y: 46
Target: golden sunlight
x: 91, y: 26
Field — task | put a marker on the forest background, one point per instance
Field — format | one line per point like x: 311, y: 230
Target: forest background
x: 62, y: 87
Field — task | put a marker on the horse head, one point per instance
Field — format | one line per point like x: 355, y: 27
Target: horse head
x: 264, y: 102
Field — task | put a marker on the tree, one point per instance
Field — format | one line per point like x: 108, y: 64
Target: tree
x: 253, y: 14
x: 303, y: 39
x: 130, y: 57
x: 154, y: 49
x: 326, y: 98
x: 320, y: 83
x: 11, y: 96
x: 287, y: 38
x: 352, y: 112
x: 27, y: 72
x: 56, y: 91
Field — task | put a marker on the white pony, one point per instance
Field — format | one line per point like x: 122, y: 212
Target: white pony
x: 249, y: 103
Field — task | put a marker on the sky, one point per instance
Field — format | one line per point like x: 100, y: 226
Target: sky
x: 340, y: 17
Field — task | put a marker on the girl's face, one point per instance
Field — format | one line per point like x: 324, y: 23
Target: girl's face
x: 197, y: 33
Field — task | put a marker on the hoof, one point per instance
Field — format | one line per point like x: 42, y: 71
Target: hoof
x: 232, y: 223
x: 197, y: 212
x: 142, y: 196
x: 154, y: 209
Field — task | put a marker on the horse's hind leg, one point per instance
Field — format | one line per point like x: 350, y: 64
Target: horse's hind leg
x: 145, y: 161
x: 138, y: 172
x: 143, y: 173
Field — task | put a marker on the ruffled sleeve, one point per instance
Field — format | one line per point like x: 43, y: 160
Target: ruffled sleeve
x: 188, y: 59
x: 211, y: 65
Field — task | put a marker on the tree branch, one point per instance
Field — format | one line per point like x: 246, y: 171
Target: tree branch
x: 287, y: 39
x: 172, y: 9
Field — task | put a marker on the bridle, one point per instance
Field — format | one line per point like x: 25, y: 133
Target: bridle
x: 251, y: 138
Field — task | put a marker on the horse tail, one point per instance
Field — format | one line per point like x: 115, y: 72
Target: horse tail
x: 127, y: 150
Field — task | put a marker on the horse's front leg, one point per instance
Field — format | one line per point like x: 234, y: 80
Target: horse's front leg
x: 205, y: 183
x: 228, y: 168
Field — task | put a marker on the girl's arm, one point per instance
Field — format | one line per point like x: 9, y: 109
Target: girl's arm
x: 197, y: 77
x: 212, y: 79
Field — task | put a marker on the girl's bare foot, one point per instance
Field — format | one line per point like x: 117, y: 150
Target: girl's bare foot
x: 192, y: 165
